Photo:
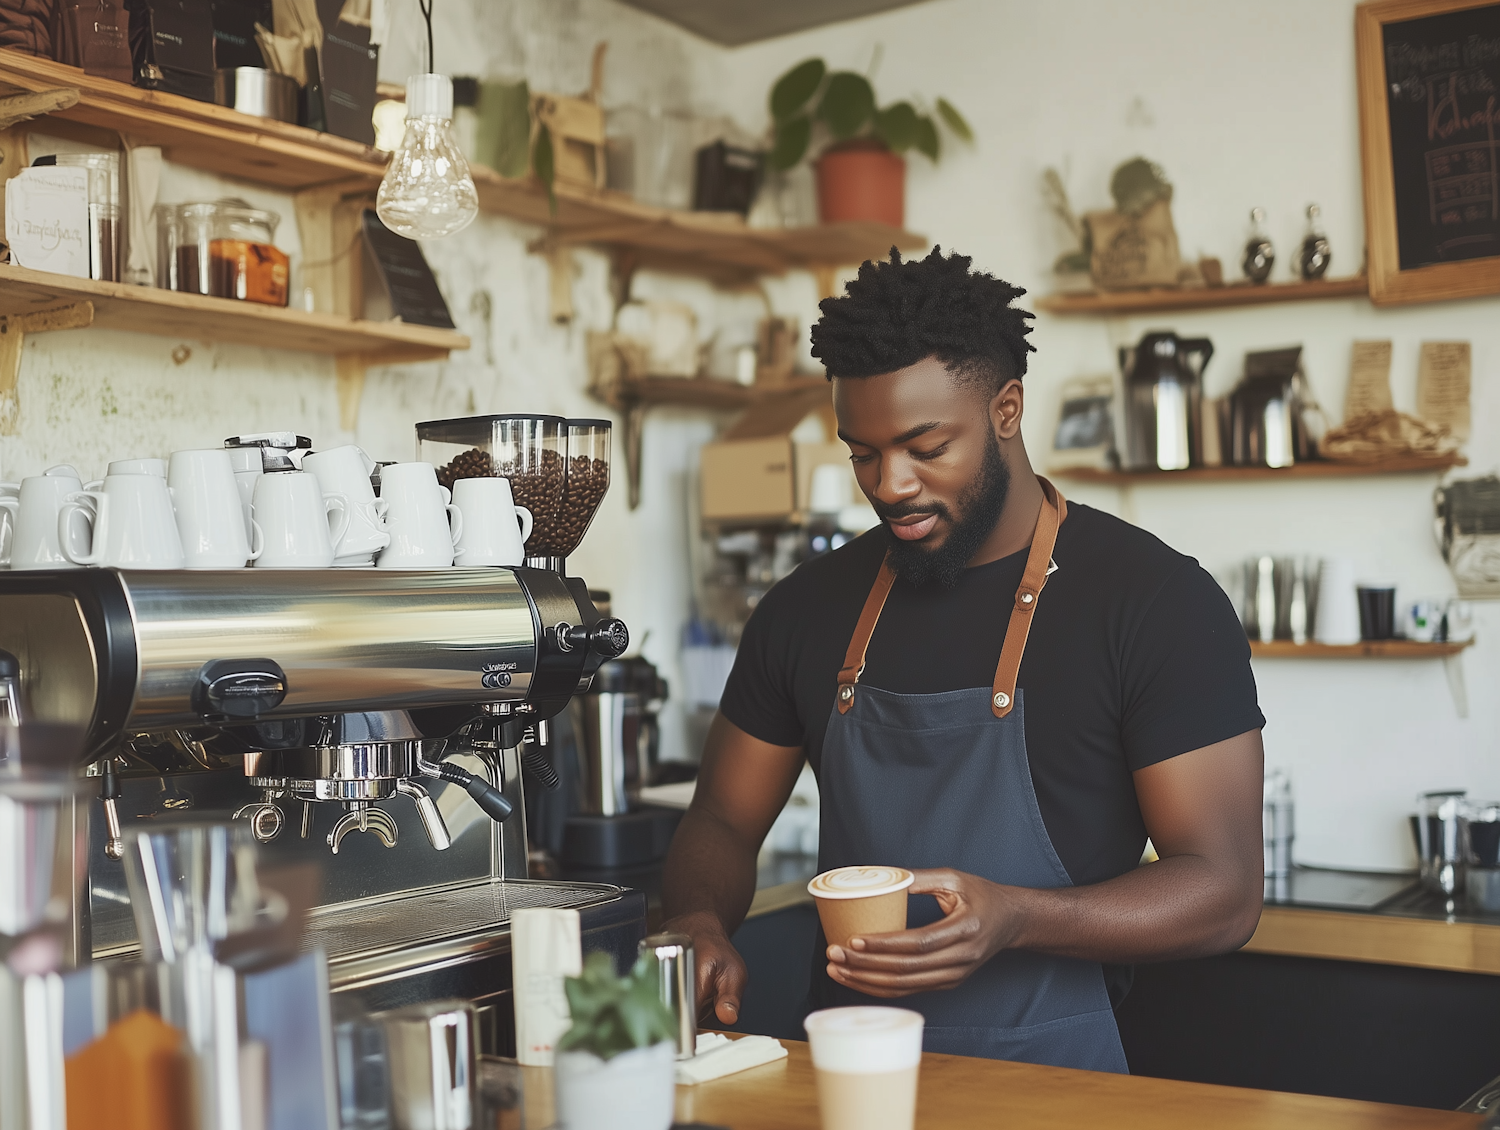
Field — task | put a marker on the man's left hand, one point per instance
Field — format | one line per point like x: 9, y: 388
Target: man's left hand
x: 980, y: 919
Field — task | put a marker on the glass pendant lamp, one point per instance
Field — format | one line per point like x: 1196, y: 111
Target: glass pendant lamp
x: 427, y: 192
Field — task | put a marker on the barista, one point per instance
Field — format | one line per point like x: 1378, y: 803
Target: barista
x: 1000, y: 690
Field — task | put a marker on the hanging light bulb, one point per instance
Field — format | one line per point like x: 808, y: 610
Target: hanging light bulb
x: 427, y: 191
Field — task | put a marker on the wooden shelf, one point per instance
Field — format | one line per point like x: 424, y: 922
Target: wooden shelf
x: 1368, y: 649
x: 199, y: 134
x: 1408, y: 465
x: 292, y: 158
x: 714, y: 243
x: 142, y: 309
x: 1160, y: 300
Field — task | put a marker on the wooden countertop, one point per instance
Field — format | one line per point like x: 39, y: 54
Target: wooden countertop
x: 956, y: 1092
x: 1384, y: 939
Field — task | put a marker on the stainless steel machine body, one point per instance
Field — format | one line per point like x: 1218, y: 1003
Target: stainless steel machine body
x: 347, y: 694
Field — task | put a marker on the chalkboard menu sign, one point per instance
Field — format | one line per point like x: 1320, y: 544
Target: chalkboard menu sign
x: 1430, y: 115
x: 1443, y: 73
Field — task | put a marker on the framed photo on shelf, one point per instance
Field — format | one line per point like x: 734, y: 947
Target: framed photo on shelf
x: 1429, y: 114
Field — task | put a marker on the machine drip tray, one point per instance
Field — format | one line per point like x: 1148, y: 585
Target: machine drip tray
x: 372, y: 939
x: 628, y: 840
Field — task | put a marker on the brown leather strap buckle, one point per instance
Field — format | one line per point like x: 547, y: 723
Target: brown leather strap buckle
x: 1039, y: 566
x: 854, y: 658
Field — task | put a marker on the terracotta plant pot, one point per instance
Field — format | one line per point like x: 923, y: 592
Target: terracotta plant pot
x: 862, y: 180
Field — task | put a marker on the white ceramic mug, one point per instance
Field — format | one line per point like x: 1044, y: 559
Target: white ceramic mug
x: 299, y: 524
x: 145, y: 466
x: 209, y: 518
x: 346, y: 470
x: 248, y: 467
x: 490, y: 533
x: 34, y: 542
x: 418, y: 518
x: 131, y: 524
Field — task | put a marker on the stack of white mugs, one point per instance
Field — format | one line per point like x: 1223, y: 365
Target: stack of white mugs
x: 219, y: 508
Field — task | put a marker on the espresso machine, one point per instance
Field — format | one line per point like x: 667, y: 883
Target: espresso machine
x: 326, y: 709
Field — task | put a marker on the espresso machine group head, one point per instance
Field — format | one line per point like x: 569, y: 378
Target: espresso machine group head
x: 341, y: 686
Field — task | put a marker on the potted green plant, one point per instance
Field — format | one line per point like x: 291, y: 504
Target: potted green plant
x: 861, y: 172
x: 614, y: 1067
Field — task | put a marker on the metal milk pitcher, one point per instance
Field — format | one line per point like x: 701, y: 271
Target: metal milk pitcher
x: 1163, y: 391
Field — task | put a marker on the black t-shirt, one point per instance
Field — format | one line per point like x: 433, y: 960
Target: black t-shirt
x: 1135, y: 655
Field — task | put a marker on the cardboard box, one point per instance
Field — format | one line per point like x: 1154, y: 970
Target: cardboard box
x: 757, y: 472
x: 762, y: 479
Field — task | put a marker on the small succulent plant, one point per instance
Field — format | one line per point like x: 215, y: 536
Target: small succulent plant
x: 843, y: 104
x: 615, y: 1014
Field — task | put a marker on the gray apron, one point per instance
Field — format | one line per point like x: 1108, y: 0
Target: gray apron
x: 942, y: 780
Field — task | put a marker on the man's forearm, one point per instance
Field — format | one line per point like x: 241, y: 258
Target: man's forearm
x: 710, y: 869
x: 1182, y: 906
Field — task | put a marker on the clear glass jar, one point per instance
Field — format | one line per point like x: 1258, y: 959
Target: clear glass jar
x: 226, y: 249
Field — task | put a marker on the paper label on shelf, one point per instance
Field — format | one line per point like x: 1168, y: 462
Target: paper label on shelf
x: 1369, y: 379
x: 1443, y: 386
x: 47, y: 219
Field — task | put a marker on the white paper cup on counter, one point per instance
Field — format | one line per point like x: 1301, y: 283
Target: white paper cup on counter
x: 1338, y: 603
x: 866, y: 1060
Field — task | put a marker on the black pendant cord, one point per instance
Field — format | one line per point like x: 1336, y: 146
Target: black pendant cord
x: 426, y: 6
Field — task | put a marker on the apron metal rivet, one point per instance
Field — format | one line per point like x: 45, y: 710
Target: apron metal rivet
x: 1002, y: 700
x: 1026, y: 598
x: 846, y: 693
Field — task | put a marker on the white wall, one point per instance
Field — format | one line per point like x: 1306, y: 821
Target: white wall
x: 1242, y: 106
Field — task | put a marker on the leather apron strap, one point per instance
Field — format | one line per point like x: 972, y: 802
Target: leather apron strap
x: 1038, y: 566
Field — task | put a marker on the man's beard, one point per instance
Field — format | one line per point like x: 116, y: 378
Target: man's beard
x: 979, y: 507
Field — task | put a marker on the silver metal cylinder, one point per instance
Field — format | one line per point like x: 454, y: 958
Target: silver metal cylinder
x: 431, y: 1050
x: 609, y: 759
x: 678, y: 985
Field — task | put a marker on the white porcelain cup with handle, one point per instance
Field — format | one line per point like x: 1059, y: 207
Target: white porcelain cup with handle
x: 423, y: 526
x: 35, y: 542
x: 142, y: 466
x: 130, y: 524
x: 299, y: 523
x: 209, y: 518
x: 491, y: 532
x: 346, y: 470
x: 248, y: 467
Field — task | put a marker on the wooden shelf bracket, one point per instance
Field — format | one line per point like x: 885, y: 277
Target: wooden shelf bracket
x: 13, y: 331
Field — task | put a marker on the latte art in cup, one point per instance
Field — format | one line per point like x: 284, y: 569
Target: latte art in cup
x: 859, y: 882
x: 860, y: 900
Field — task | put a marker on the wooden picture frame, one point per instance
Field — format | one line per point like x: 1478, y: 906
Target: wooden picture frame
x: 1435, y: 282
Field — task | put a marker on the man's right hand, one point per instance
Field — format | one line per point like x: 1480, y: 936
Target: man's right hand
x: 721, y: 970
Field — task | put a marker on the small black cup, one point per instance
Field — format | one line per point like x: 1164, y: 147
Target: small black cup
x: 1377, y: 612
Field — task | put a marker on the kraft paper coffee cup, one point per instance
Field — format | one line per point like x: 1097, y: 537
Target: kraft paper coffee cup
x: 866, y: 1060
x: 854, y: 901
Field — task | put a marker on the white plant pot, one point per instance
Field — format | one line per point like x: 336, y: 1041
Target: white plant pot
x: 633, y: 1091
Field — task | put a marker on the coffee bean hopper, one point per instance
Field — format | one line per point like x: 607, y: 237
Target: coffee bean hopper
x: 558, y: 469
